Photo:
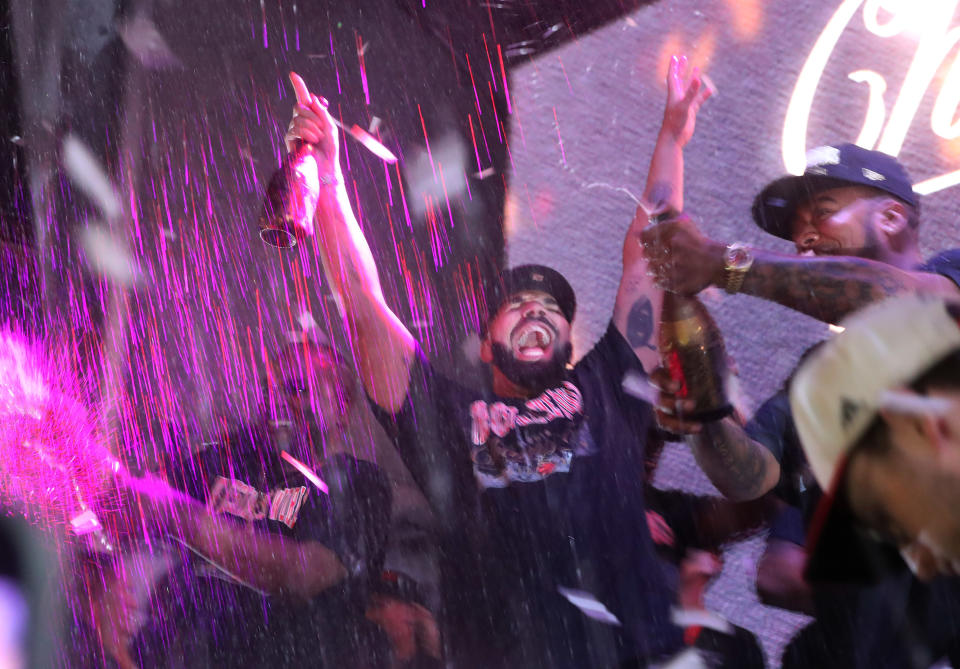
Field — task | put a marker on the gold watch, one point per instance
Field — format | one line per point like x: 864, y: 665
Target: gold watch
x: 737, y: 259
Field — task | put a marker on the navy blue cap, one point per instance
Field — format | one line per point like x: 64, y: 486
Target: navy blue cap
x: 531, y: 277
x: 830, y: 167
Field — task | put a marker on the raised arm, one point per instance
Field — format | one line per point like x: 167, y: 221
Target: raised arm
x: 827, y: 288
x: 384, y: 348
x: 637, y: 305
x: 686, y: 92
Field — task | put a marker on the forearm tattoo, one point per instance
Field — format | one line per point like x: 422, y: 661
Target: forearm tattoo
x: 825, y: 288
x: 640, y: 325
x: 740, y: 461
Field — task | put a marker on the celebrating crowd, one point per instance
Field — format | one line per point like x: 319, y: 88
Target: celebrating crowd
x: 515, y: 524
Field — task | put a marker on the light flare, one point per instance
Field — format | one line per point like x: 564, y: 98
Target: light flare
x: 53, y: 468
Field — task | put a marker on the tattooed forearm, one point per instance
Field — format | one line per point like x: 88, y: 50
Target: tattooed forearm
x: 739, y: 467
x: 825, y: 288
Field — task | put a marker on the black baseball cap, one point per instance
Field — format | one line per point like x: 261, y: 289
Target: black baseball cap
x: 531, y: 277
x: 830, y: 167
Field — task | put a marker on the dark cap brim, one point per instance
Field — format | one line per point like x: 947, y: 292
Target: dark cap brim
x: 838, y: 551
x: 774, y: 207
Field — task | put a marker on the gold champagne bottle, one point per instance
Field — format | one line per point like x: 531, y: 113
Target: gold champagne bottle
x: 692, y: 351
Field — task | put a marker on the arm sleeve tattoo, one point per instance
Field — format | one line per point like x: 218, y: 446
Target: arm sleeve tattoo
x: 826, y: 288
x: 731, y: 459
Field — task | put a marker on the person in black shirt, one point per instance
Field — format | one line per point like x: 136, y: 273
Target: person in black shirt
x: 536, y: 479
x: 558, y: 509
x: 286, y: 539
x: 887, y: 620
x: 854, y: 219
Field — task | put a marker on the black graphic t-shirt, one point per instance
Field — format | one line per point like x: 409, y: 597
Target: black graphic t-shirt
x: 535, y: 496
x: 244, y: 480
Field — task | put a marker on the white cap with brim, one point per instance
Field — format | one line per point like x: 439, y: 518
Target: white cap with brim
x: 837, y: 393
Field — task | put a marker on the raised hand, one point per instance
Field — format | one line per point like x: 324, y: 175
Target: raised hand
x: 686, y: 91
x: 312, y: 123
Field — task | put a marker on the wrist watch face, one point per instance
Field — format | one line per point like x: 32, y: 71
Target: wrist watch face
x: 737, y: 257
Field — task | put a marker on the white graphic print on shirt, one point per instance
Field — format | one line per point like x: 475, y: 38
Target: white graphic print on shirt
x: 244, y: 501
x: 526, y: 443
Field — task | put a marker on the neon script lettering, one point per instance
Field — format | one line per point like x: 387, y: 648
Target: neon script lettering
x: 926, y: 21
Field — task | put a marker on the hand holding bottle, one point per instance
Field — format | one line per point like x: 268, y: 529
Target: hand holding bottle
x: 693, y: 372
x: 313, y: 163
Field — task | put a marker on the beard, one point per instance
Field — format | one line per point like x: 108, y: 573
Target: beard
x: 872, y: 247
x: 536, y: 375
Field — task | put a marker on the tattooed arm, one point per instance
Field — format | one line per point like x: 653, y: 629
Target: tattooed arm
x: 741, y: 468
x: 831, y: 288
x: 738, y: 466
x: 638, y: 299
x: 686, y: 92
x: 636, y: 315
x: 827, y: 288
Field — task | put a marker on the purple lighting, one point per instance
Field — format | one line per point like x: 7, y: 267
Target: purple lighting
x: 52, y: 464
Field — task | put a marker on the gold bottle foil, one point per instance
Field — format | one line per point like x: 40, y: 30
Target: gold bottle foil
x: 692, y: 350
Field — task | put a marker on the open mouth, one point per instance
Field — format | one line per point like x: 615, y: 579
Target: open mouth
x: 830, y: 248
x: 533, y: 340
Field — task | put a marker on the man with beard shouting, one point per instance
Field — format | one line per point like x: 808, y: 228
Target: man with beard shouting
x: 536, y: 479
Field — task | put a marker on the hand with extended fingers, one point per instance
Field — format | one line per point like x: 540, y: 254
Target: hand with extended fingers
x: 312, y: 124
x: 687, y: 89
